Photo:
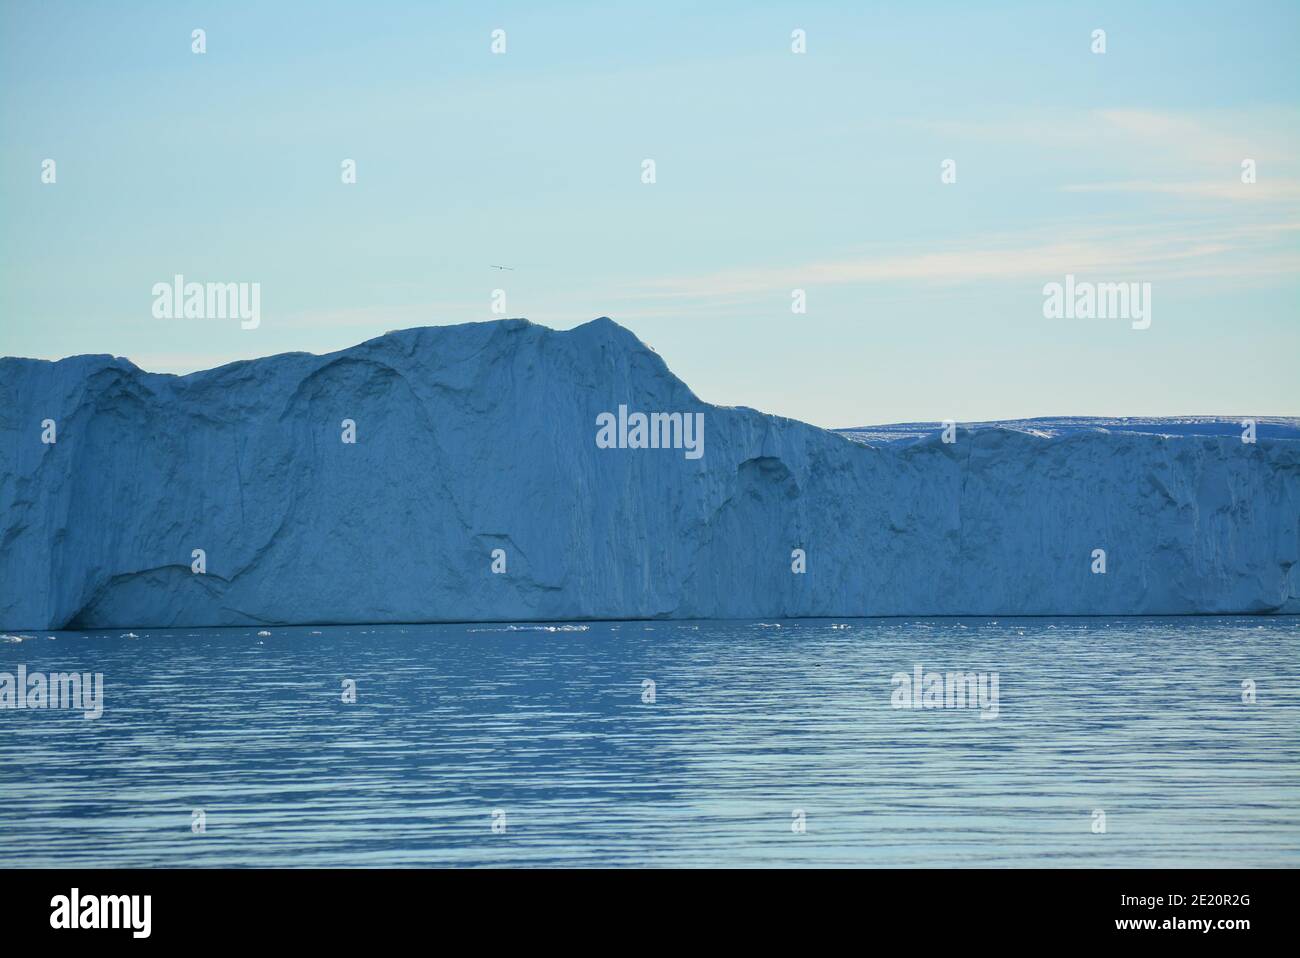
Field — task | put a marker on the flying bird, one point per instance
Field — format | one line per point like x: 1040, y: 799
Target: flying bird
x: 511, y: 268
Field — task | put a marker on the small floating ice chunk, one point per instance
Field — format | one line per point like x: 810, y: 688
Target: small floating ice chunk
x: 537, y: 628
x: 264, y: 634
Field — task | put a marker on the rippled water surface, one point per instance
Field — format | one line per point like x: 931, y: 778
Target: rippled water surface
x: 1141, y: 719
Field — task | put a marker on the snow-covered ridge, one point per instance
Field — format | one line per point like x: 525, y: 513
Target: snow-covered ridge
x: 476, y: 450
x: 1268, y: 427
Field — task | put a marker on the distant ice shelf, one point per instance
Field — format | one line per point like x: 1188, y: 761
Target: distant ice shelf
x: 476, y: 490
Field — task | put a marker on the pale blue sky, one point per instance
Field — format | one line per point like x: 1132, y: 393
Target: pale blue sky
x: 775, y: 171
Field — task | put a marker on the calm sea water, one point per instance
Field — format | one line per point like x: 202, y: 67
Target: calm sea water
x: 1142, y: 719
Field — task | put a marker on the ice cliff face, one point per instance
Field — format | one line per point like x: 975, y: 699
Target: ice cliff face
x: 483, y: 437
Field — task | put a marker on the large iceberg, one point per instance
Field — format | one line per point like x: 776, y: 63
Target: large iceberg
x: 494, y: 476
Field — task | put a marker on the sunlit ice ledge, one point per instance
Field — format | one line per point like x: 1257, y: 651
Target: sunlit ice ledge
x: 504, y: 471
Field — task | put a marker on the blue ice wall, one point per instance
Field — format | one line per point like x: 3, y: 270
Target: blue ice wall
x: 481, y: 437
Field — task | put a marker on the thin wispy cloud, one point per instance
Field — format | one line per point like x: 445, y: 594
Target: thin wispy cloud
x: 1206, y: 138
x: 1268, y: 191
x: 1194, y: 158
x: 1157, y: 253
